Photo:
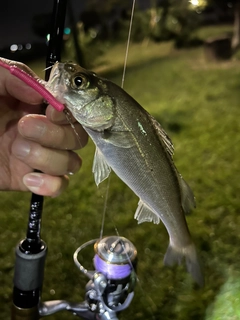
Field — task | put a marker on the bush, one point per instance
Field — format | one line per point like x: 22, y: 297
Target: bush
x: 140, y: 27
x: 91, y: 47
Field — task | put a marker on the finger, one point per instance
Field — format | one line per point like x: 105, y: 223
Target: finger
x: 44, y: 184
x: 50, y: 161
x: 38, y: 128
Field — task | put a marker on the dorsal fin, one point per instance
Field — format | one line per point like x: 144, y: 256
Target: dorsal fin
x: 163, y: 136
x: 187, y: 197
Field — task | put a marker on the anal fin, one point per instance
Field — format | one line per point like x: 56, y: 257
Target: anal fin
x: 187, y: 197
x: 145, y: 214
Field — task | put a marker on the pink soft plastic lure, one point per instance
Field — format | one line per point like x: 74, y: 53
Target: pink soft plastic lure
x: 32, y: 82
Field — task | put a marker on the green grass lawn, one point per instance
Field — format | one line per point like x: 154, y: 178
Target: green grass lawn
x: 198, y: 104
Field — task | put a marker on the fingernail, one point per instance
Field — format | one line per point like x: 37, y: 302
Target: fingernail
x: 21, y: 149
x: 32, y: 129
x: 33, y: 181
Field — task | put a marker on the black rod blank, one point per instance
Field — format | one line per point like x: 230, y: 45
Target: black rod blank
x: 31, y: 252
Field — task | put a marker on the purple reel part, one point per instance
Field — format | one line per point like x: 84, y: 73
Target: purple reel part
x: 115, y: 257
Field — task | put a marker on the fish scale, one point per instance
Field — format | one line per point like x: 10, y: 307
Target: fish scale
x: 134, y: 145
x: 136, y: 173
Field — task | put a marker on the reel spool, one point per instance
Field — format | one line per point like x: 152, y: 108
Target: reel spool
x: 115, y: 257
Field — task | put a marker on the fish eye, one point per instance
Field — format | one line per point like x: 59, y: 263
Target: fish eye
x: 78, y: 81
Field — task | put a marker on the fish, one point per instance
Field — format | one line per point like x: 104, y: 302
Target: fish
x: 134, y: 145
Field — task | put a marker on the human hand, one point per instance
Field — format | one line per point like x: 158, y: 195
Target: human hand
x: 31, y: 141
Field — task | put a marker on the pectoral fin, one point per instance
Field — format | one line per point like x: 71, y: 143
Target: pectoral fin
x: 145, y: 214
x: 100, y: 169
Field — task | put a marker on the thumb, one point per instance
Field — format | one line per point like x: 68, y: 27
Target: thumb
x: 12, y: 86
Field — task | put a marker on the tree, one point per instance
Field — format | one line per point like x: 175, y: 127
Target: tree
x: 236, y: 26
x: 225, y: 6
x: 177, y: 20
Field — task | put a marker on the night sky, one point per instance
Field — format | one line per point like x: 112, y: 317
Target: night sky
x: 16, y: 18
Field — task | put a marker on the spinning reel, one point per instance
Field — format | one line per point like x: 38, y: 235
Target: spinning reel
x: 108, y: 291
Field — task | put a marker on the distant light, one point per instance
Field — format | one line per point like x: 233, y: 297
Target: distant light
x: 194, y: 2
x: 20, y: 47
x: 67, y: 31
x: 28, y: 46
x: 93, y: 34
x: 13, y: 47
x: 52, y: 291
x: 48, y: 37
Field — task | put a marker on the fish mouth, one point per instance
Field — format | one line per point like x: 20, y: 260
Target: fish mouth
x: 57, y: 83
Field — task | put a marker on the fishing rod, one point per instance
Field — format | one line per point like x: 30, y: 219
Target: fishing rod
x: 110, y: 288
x: 31, y: 252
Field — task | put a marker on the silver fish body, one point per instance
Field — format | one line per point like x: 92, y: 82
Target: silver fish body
x: 132, y: 143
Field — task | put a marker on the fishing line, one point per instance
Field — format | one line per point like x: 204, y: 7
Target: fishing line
x: 50, y: 67
x: 128, y: 42
x: 124, y: 270
x: 69, y: 119
x: 138, y: 280
x: 105, y: 207
x: 128, y: 257
x: 47, y: 68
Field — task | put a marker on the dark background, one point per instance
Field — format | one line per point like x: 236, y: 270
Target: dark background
x: 16, y: 19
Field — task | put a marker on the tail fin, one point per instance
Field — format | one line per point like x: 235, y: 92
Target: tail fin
x: 176, y: 255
